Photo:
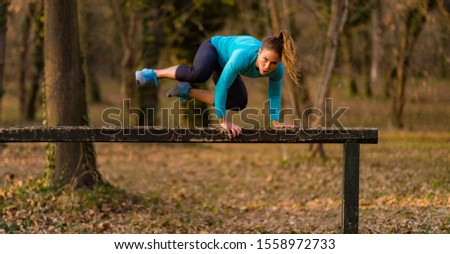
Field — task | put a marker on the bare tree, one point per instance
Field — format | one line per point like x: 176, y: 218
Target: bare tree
x: 375, y: 32
x: 412, y: 23
x: 444, y: 7
x: 355, y: 47
x: 152, y: 38
x: 26, y: 24
x: 67, y: 163
x: 296, y: 96
x: 126, y: 19
x: 37, y: 13
x: 32, y: 24
x: 3, y: 21
x: 339, y: 10
x: 444, y: 31
x: 86, y: 20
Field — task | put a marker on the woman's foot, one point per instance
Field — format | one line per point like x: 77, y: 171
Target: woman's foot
x: 146, y: 76
x: 181, y: 90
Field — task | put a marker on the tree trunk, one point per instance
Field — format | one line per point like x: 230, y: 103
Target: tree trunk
x: 444, y: 7
x: 86, y: 21
x: 375, y: 31
x: 152, y: 39
x: 37, y: 11
x: 127, y: 32
x: 367, y: 64
x: 339, y: 11
x: 67, y: 163
x: 413, y: 23
x: 398, y: 98
x: 23, y: 65
x: 295, y: 97
x: 3, y: 27
x: 348, y: 61
x: 273, y: 10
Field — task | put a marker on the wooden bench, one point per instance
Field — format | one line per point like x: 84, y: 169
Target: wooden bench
x: 350, y: 138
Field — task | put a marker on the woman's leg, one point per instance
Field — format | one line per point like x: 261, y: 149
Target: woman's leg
x: 237, y: 97
x: 204, y: 96
x: 167, y: 72
x: 205, y: 61
x: 203, y: 65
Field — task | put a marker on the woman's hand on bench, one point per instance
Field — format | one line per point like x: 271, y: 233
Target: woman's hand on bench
x: 231, y: 129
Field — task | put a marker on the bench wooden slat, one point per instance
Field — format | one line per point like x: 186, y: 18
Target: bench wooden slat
x: 194, y: 135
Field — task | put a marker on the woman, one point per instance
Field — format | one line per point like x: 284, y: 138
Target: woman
x: 226, y: 58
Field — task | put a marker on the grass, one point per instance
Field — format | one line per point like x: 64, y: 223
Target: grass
x: 232, y: 188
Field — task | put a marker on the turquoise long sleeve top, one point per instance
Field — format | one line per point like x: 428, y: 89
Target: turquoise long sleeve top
x: 237, y: 56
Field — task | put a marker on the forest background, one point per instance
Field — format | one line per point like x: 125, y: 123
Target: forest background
x: 387, y: 62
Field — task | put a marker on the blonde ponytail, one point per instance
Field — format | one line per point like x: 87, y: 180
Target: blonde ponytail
x: 285, y: 47
x: 289, y: 55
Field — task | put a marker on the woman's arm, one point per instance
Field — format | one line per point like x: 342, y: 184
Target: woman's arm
x: 226, y: 79
x: 229, y: 74
x: 274, y: 95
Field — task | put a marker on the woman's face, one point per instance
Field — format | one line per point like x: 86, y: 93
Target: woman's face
x: 267, y: 61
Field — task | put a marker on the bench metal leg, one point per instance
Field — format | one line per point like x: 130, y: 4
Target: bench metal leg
x: 350, y: 191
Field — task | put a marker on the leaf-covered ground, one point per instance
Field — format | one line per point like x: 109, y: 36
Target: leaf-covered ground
x: 232, y: 188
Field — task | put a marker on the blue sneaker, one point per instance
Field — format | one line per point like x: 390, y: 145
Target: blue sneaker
x: 181, y: 90
x: 146, y: 76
